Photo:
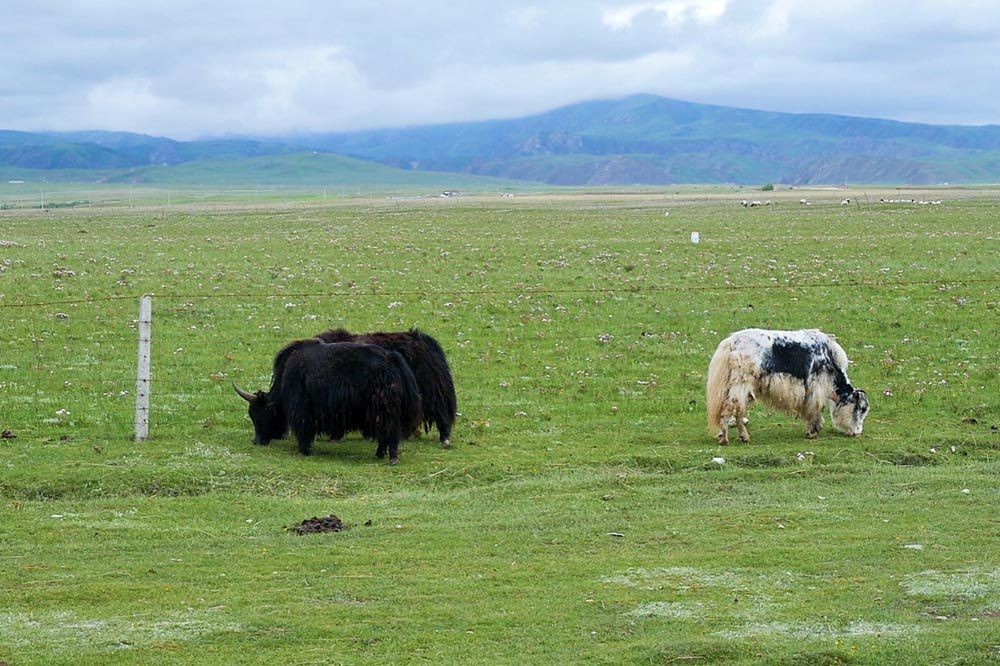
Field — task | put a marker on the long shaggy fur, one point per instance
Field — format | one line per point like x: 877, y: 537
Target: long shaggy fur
x: 320, y: 388
x: 430, y: 368
x: 718, y: 383
x: 798, y: 372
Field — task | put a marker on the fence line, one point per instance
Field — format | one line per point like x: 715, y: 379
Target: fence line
x: 519, y: 292
x: 179, y: 391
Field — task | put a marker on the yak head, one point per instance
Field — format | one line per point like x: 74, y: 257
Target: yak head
x: 849, y: 412
x: 268, y: 421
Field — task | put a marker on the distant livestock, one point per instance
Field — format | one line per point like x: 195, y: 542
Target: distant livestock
x: 320, y: 388
x: 795, y: 371
x: 922, y: 202
x: 430, y: 370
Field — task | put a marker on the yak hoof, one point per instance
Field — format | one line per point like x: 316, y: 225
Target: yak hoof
x: 745, y: 440
x: 723, y: 438
x: 446, y: 444
x: 812, y: 434
x: 393, y: 461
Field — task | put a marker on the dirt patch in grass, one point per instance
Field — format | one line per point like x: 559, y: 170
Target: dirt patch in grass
x: 909, y: 459
x: 314, y: 525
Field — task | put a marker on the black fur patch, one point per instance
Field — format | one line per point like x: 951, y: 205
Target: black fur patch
x: 796, y: 359
x: 804, y: 361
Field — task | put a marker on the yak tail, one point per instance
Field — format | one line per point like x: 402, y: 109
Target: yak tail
x: 717, y: 389
x: 435, y: 376
x: 410, y: 412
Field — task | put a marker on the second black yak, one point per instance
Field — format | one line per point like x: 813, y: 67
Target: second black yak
x: 430, y: 369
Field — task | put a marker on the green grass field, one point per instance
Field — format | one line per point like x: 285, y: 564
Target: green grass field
x: 580, y: 517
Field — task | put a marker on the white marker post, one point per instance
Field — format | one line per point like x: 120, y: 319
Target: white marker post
x: 695, y: 237
x: 142, y: 375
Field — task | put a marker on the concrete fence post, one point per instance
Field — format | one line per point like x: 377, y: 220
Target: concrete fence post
x: 142, y: 375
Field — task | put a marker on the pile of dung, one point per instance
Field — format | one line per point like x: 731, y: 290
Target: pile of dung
x: 329, y: 523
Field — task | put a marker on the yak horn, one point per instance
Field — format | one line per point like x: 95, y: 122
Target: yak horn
x: 249, y: 397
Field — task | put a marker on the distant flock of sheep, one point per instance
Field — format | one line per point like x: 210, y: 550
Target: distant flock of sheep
x: 845, y: 202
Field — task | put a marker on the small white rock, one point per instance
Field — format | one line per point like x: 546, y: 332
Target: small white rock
x: 966, y: 491
x: 719, y: 461
x: 914, y: 546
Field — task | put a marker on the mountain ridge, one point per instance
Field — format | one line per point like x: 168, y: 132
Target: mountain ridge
x: 639, y: 139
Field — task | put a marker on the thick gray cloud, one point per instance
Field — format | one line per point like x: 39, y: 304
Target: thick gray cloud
x: 181, y: 69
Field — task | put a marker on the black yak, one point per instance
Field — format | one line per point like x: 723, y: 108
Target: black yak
x: 335, y: 388
x: 430, y: 369
x: 796, y: 371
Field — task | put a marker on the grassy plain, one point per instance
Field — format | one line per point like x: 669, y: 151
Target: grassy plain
x: 580, y: 517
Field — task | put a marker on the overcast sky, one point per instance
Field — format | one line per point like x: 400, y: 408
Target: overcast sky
x: 195, y: 68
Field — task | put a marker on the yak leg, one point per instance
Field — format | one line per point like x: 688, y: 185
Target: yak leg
x: 723, y: 434
x: 444, y: 432
x: 392, y: 445
x: 305, y: 435
x: 740, y: 397
x: 741, y: 425
x: 812, y: 414
x: 815, y: 425
x: 732, y: 414
x: 741, y: 417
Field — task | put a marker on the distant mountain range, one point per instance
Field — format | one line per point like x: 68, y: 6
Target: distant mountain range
x: 642, y: 139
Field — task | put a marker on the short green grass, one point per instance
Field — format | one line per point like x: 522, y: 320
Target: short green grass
x: 580, y: 516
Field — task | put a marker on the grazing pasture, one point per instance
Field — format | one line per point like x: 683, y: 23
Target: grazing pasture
x: 584, y: 514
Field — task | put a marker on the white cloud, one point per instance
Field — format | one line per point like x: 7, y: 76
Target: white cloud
x: 674, y: 12
x: 182, y: 68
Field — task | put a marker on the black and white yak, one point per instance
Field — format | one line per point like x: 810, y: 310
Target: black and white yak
x: 796, y: 371
x: 320, y: 388
x: 430, y: 369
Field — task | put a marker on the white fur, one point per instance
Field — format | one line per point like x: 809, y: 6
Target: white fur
x: 736, y: 378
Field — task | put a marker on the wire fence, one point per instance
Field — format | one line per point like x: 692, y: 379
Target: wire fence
x: 638, y: 289
x: 17, y: 195
x: 534, y: 355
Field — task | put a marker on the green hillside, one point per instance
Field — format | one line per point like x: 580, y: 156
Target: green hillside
x: 642, y: 139
x: 650, y: 139
x: 297, y: 170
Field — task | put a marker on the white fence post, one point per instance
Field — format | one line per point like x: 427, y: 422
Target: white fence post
x: 142, y: 376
